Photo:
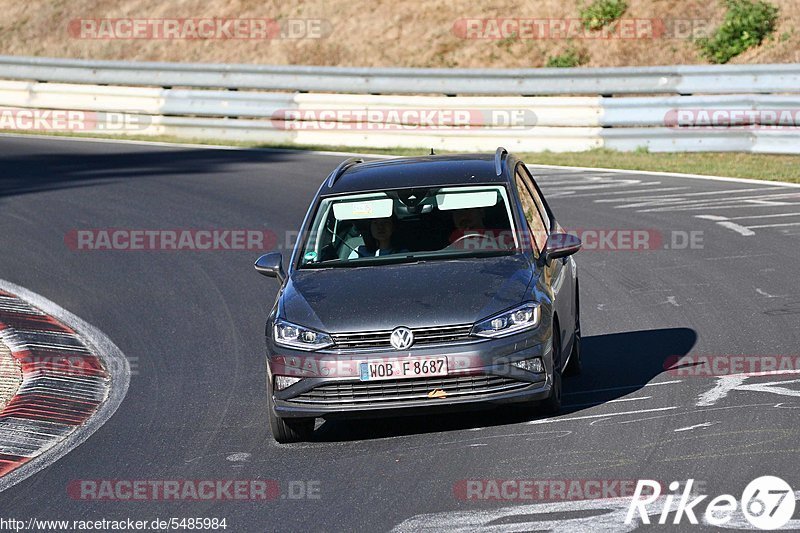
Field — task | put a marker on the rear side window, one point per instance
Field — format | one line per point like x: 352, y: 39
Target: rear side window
x: 528, y: 180
x: 536, y: 222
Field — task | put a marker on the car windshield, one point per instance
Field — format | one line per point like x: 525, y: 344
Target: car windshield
x: 410, y: 225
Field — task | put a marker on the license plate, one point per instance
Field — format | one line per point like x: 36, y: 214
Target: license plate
x: 403, y: 368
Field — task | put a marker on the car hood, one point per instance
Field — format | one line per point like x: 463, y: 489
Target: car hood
x: 381, y: 297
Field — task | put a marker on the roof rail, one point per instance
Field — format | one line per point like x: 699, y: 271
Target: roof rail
x: 341, y: 169
x: 499, y: 159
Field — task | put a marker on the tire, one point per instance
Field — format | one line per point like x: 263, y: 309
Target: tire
x: 552, y: 405
x: 288, y: 430
x: 575, y: 364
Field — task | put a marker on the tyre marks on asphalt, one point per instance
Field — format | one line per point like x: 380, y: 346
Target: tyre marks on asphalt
x: 581, y: 516
x: 744, y: 208
x: 738, y: 225
x: 706, y: 402
x: 599, y: 415
x: 63, y: 382
x: 702, y: 425
x: 764, y: 385
x: 737, y: 382
x: 768, y: 207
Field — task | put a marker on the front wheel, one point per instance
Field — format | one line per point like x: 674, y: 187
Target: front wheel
x: 552, y: 405
x: 287, y: 430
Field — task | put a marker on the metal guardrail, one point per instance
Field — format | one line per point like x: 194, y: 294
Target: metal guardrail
x: 487, y: 111
x: 680, y: 80
x: 206, y: 109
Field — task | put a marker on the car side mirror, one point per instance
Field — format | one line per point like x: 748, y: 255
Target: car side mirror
x: 271, y: 265
x: 561, y: 245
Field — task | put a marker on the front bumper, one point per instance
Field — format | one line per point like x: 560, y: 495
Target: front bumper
x: 480, y: 375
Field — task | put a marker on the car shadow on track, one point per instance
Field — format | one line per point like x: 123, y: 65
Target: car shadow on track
x: 70, y: 166
x: 614, y: 365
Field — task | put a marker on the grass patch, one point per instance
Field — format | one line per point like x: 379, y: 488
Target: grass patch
x: 601, y: 13
x: 747, y: 23
x: 732, y: 164
x: 571, y: 57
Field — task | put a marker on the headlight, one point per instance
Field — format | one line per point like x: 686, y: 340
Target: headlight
x: 294, y: 336
x: 519, y: 319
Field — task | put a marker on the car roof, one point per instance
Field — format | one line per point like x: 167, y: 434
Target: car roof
x: 409, y: 172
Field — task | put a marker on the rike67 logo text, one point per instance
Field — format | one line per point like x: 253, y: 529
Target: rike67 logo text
x: 767, y: 502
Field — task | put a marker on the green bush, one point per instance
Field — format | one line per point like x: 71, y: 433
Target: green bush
x: 746, y: 24
x: 601, y: 13
x: 571, y: 57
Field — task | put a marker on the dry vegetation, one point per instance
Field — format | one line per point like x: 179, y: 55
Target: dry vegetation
x: 372, y: 33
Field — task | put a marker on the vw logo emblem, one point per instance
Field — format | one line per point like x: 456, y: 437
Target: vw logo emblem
x: 401, y: 338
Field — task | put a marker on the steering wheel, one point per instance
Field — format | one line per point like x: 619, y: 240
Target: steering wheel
x: 482, y: 236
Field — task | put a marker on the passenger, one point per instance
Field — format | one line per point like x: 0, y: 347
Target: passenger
x: 379, y: 241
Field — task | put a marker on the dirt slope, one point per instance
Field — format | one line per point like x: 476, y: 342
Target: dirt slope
x: 372, y: 32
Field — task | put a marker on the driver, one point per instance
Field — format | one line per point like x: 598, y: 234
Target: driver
x: 470, y: 232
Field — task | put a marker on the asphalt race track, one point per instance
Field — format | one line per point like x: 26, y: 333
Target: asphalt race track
x: 191, y: 324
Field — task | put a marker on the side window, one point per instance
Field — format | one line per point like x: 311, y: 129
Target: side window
x: 536, y: 224
x: 535, y: 193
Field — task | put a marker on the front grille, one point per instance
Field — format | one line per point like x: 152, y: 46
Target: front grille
x: 406, y: 389
x: 380, y: 339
